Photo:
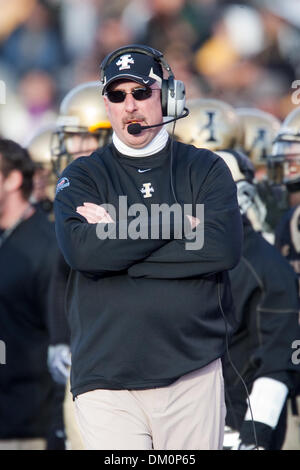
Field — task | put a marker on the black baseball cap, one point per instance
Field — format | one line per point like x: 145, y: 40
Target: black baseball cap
x: 135, y: 66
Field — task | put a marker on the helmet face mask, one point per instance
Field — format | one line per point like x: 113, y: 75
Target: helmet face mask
x: 82, y: 125
x: 250, y: 204
x: 287, y: 157
x: 39, y: 149
x: 249, y: 201
x: 259, y: 131
x: 275, y: 170
x: 66, y: 146
x: 284, y: 161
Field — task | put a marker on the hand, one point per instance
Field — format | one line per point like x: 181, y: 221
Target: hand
x: 194, y: 221
x: 94, y: 213
x: 59, y: 362
x: 249, y: 447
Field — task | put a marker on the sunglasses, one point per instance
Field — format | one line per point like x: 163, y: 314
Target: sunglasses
x: 139, y: 94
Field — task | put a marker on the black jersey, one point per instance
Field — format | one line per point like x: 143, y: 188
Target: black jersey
x: 275, y: 200
x: 287, y: 240
x: 145, y: 311
x: 59, y: 330
x: 264, y: 289
x: 287, y: 237
x: 26, y: 387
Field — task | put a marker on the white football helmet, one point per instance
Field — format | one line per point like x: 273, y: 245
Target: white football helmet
x: 82, y: 125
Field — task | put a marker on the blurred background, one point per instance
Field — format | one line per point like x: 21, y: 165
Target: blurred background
x: 244, y: 53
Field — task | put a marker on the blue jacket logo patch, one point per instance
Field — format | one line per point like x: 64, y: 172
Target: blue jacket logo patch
x: 62, y: 183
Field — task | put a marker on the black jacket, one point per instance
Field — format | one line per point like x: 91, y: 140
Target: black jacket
x: 26, y: 387
x: 145, y: 311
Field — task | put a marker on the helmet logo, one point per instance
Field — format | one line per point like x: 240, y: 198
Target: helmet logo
x: 260, y: 142
x: 210, y: 126
x: 125, y: 61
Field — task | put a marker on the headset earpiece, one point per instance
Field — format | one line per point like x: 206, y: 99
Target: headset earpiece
x: 175, y: 99
x: 164, y: 97
x: 172, y: 91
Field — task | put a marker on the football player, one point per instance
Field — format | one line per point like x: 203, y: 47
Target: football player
x: 284, y: 168
x: 214, y: 124
x: 259, y: 130
x: 259, y: 294
x: 264, y: 289
x: 82, y: 125
x: 44, y: 181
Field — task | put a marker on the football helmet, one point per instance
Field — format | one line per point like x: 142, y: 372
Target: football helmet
x: 284, y: 161
x: 211, y: 124
x: 82, y: 125
x: 242, y: 170
x: 259, y: 130
x: 39, y: 148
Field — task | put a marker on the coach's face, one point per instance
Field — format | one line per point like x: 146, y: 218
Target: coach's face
x: 146, y: 112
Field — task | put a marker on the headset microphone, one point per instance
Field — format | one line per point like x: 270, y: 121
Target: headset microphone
x: 136, y: 128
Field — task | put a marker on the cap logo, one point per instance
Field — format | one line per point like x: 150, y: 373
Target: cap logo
x: 124, y: 61
x: 153, y: 75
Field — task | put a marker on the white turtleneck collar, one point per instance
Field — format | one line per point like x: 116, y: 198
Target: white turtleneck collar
x: 156, y: 145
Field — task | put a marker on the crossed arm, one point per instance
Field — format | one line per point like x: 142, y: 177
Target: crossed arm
x: 78, y: 207
x: 157, y: 258
x: 173, y: 260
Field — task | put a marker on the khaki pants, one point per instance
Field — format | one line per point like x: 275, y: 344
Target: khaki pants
x: 22, y: 444
x: 292, y: 438
x: 188, y: 414
x: 71, y: 427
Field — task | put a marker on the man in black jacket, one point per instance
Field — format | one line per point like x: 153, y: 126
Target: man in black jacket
x: 145, y: 302
x: 27, y: 247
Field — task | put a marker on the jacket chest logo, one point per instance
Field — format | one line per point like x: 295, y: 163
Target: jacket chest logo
x: 147, y: 190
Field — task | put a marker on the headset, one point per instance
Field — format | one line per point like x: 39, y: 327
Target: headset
x: 172, y: 91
